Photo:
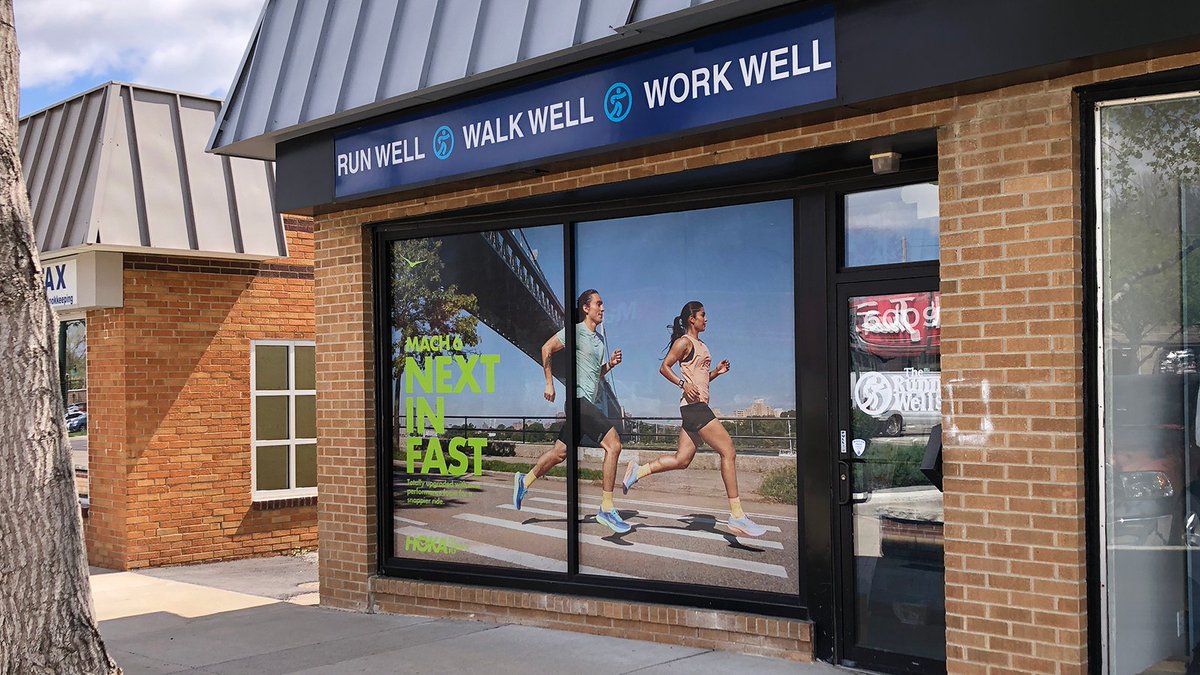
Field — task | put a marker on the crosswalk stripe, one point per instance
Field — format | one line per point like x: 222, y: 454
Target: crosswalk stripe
x: 745, y: 541
x: 410, y: 521
x: 530, y: 560
x: 656, y: 514
x: 646, y: 549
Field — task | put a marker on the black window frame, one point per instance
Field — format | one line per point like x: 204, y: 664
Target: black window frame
x: 817, y: 242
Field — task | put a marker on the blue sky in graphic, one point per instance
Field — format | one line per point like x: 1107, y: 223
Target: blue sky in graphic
x: 737, y: 260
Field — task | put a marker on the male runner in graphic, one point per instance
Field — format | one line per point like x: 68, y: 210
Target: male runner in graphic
x: 591, y: 368
x: 700, y: 425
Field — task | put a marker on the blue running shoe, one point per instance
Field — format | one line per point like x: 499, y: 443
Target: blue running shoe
x: 630, y: 477
x: 612, y: 520
x: 518, y: 490
x: 744, y: 527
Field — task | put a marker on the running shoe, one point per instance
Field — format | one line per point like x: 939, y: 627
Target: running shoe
x: 630, y: 477
x: 744, y: 527
x: 612, y: 520
x: 518, y: 490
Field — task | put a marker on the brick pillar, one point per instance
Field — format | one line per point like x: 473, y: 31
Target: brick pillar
x: 105, y: 530
x: 346, y: 510
x: 1012, y: 381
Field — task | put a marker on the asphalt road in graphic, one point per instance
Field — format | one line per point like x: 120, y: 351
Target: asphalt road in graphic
x: 676, y: 536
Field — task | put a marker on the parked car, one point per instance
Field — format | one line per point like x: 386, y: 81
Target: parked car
x: 76, y: 421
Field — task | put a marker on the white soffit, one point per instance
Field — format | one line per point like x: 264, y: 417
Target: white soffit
x: 124, y: 166
x: 316, y: 64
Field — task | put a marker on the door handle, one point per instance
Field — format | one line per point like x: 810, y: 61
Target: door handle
x: 845, y: 494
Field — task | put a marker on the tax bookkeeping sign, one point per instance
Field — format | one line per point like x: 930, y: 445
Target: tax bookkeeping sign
x: 771, y: 66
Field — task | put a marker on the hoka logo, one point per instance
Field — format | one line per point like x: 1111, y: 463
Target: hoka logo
x: 425, y: 544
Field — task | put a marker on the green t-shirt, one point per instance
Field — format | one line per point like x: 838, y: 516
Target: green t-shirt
x: 590, y: 353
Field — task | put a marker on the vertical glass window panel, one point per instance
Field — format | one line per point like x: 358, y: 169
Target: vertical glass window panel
x: 270, y: 367
x: 271, y: 418
x: 895, y: 401
x: 271, y: 467
x: 470, y: 316
x: 893, y: 225
x: 306, y: 465
x: 686, y: 452
x: 306, y: 416
x: 1149, y: 191
x: 306, y: 368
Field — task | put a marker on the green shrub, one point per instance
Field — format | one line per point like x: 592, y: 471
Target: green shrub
x: 779, y: 485
x: 559, y: 471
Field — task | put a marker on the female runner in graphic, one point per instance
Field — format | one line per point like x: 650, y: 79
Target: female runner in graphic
x: 700, y: 425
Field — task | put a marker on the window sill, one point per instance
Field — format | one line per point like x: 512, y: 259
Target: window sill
x: 274, y: 503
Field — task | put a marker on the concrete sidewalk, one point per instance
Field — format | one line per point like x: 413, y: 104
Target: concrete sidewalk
x: 200, y: 620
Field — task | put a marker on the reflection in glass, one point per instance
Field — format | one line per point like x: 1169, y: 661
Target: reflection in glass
x: 727, y: 274
x: 306, y: 465
x: 893, y: 225
x: 306, y: 371
x: 271, y: 418
x: 895, y: 385
x: 271, y: 367
x: 1150, y: 285
x: 271, y: 467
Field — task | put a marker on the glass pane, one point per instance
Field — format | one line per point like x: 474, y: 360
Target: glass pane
x: 896, y: 400
x: 306, y: 465
x: 271, y: 367
x: 306, y: 370
x: 470, y: 315
x: 728, y: 272
x: 306, y: 417
x: 894, y: 225
x: 271, y: 418
x: 271, y: 467
x: 1150, y: 289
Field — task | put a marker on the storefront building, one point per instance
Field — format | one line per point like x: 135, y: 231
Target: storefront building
x: 929, y: 261
x: 186, y: 330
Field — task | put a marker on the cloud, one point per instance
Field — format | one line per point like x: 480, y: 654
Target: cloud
x: 188, y: 45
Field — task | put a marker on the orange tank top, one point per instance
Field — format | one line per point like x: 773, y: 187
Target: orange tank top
x: 695, y: 369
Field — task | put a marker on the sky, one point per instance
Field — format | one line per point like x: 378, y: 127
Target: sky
x: 70, y: 46
x: 736, y: 260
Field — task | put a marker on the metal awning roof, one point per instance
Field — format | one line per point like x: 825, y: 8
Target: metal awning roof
x: 314, y: 65
x: 123, y: 167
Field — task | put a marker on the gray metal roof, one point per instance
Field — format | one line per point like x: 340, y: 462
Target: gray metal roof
x: 314, y: 64
x: 123, y: 167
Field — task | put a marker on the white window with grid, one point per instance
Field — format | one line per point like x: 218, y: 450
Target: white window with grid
x: 283, y: 419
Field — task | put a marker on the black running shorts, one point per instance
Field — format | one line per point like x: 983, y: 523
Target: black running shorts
x: 696, y: 416
x: 594, y: 424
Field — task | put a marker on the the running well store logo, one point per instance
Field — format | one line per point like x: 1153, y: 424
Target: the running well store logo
x: 768, y: 67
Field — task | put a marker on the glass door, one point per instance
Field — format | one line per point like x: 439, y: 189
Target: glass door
x: 889, y: 499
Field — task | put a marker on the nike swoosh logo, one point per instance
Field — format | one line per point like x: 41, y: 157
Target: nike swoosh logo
x: 412, y: 263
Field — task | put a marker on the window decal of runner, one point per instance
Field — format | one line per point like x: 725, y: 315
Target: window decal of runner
x: 691, y: 330
x: 469, y: 316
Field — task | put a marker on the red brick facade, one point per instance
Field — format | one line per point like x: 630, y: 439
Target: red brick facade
x: 1009, y: 171
x: 169, y: 390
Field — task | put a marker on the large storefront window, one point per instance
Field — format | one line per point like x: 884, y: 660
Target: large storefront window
x: 473, y: 410
x: 1149, y: 193
x: 692, y: 329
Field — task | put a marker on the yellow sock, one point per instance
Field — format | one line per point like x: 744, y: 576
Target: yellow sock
x: 529, y: 478
x: 606, y: 501
x: 643, y: 471
x: 735, y: 508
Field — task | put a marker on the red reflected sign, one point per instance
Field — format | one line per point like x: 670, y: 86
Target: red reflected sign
x: 903, y: 324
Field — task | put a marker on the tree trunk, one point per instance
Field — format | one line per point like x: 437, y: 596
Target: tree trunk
x: 46, y: 621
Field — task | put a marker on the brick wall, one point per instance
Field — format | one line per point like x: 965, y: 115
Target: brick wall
x: 169, y: 419
x: 1010, y: 189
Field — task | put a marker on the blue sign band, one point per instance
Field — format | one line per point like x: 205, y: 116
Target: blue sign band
x: 771, y: 66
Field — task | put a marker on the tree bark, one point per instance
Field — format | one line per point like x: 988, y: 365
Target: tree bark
x: 46, y: 619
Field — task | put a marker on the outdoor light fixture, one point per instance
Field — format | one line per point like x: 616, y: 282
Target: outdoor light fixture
x: 885, y: 162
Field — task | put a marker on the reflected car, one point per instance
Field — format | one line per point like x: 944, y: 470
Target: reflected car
x: 895, y: 422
